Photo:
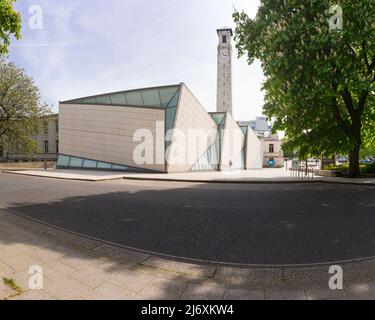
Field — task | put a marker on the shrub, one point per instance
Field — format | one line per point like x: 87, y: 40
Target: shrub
x: 370, y: 168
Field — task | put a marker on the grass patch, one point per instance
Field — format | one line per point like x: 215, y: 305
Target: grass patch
x: 11, y: 283
x: 344, y: 169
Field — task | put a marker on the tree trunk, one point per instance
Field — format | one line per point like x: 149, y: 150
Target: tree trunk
x: 354, y: 170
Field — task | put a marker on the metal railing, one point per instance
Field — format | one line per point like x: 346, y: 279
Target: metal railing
x: 300, y: 170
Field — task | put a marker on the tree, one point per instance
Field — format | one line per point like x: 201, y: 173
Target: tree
x: 10, y: 24
x: 21, y: 113
x: 319, y: 77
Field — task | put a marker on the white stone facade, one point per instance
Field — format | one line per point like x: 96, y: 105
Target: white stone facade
x: 272, y: 151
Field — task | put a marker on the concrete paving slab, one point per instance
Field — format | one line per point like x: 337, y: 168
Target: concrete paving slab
x: 200, y: 292
x: 78, y: 260
x: 155, y: 293
x: 361, y: 291
x: 48, y: 254
x: 80, y: 175
x: 326, y: 294
x: 108, y: 291
x: 250, y: 277
x: 123, y: 255
x: 22, y: 262
x: 286, y: 295
x: 91, y: 276
x: 132, y: 280
x: 188, y: 268
x: 55, y: 270
x: 34, y: 295
x: 239, y: 294
x: 65, y: 289
x: 171, y: 287
x: 266, y: 175
x: 5, y: 269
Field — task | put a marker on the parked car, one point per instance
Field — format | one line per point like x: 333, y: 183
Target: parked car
x: 367, y: 161
x: 312, y: 162
x: 342, y: 161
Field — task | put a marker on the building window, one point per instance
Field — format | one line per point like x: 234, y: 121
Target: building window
x: 46, y: 128
x: 272, y: 148
x: 46, y: 146
x: 224, y: 39
x: 57, y: 146
x: 57, y: 126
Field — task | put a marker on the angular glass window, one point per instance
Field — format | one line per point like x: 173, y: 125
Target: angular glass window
x: 103, y: 100
x: 88, y: 101
x: 63, y: 161
x: 134, y: 98
x: 104, y: 165
x: 210, y: 159
x: 151, y: 98
x: 218, y: 117
x: 170, y: 115
x: 119, y: 99
x: 166, y: 94
x: 174, y: 102
x: 117, y: 167
x: 89, y: 164
x: 75, y: 162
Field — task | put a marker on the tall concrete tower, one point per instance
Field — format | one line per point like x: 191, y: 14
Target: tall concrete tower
x: 224, y: 70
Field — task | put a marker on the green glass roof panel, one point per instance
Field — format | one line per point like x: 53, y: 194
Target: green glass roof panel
x: 103, y: 100
x: 151, y: 97
x: 159, y: 97
x: 166, y: 94
x: 118, y: 99
x: 88, y: 101
x: 134, y: 98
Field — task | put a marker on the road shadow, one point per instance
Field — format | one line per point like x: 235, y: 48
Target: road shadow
x: 260, y: 225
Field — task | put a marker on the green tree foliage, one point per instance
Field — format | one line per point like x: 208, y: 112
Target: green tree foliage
x: 10, y: 24
x: 368, y: 151
x: 21, y: 112
x: 319, y: 81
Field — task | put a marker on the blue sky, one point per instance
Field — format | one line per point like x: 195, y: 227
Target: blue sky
x: 90, y: 47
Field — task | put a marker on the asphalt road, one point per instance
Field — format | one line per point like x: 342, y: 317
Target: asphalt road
x: 249, y: 224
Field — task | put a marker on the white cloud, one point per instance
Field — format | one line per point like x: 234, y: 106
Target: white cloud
x: 89, y: 47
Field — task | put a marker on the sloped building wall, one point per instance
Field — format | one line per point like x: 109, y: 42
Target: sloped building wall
x: 254, y: 151
x: 105, y: 133
x: 191, y: 120
x: 232, y: 151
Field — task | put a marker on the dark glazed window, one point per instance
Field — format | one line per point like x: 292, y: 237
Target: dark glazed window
x: 272, y: 148
x: 224, y: 39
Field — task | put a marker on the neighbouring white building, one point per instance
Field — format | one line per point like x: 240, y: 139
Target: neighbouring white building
x: 47, y: 140
x: 273, y: 155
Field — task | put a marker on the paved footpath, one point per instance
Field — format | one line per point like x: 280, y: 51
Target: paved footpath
x: 271, y: 176
x: 75, y: 267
